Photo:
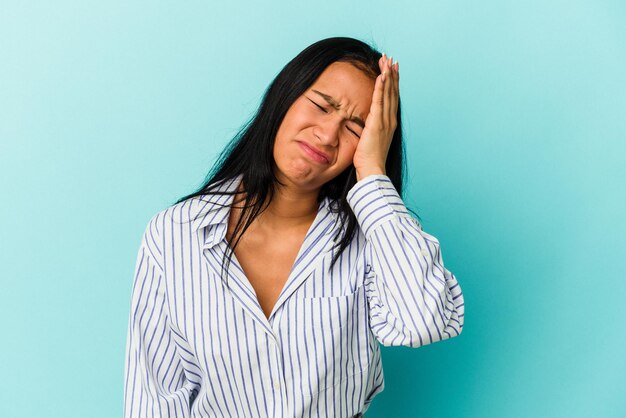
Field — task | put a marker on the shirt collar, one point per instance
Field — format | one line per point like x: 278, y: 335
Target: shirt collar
x: 214, y: 209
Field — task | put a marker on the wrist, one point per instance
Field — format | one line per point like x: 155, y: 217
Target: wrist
x: 361, y: 173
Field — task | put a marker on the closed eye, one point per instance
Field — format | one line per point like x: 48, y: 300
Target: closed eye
x: 325, y: 111
x: 320, y: 107
x: 355, y: 134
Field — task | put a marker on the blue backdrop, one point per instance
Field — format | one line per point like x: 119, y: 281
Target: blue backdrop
x: 110, y: 111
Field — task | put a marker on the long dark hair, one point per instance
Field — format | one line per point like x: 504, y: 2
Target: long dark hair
x: 250, y: 152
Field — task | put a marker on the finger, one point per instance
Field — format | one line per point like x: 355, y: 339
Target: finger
x: 387, y: 92
x: 381, y: 62
x: 397, y: 95
x: 387, y: 104
x: 390, y: 91
x: 395, y: 92
x: 376, y: 108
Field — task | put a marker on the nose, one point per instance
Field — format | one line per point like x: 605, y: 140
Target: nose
x: 327, y: 132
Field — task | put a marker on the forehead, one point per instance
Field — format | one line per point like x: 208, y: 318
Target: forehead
x: 347, y: 85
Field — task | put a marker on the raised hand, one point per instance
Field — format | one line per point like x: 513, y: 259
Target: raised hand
x: 373, y: 146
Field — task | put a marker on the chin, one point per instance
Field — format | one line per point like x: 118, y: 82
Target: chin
x: 302, y: 173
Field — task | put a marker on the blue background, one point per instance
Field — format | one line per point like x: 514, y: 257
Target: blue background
x: 515, y: 127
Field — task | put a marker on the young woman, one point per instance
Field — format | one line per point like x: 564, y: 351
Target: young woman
x: 266, y: 293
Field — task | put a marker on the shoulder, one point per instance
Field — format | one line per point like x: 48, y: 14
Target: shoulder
x: 192, y: 213
x: 179, y: 215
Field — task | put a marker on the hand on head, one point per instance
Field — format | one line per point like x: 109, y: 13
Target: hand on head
x: 371, y: 152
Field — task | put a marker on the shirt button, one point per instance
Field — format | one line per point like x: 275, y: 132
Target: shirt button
x: 276, y: 385
x: 424, y: 252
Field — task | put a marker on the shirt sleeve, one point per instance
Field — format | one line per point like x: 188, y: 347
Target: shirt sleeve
x: 413, y: 299
x: 155, y: 383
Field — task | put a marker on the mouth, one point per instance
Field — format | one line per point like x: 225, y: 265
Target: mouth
x: 314, y: 154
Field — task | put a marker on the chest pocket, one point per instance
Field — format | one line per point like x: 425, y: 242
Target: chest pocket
x: 330, y: 337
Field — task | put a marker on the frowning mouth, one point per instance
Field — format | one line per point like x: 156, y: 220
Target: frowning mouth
x: 315, y: 155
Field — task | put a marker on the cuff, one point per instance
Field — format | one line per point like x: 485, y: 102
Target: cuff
x: 374, y: 201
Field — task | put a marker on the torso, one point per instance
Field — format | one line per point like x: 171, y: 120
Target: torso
x: 266, y: 258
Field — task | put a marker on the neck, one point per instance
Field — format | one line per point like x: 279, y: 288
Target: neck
x: 290, y: 208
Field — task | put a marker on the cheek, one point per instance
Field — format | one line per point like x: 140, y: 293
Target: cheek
x: 282, y: 139
x: 350, y: 143
x: 280, y: 150
x: 288, y: 130
x: 346, y: 153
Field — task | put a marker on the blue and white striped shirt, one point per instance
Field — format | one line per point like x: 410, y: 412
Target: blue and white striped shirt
x: 200, y: 346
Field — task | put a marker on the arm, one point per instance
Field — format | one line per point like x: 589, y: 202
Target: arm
x: 413, y: 299
x: 154, y: 383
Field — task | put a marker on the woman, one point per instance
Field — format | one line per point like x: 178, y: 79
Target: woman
x: 267, y: 292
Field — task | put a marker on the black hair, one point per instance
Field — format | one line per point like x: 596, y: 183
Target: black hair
x: 250, y: 152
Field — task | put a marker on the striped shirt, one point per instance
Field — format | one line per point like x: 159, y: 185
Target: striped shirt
x: 201, y: 346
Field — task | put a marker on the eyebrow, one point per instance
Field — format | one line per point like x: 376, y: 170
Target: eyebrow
x: 334, y: 104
